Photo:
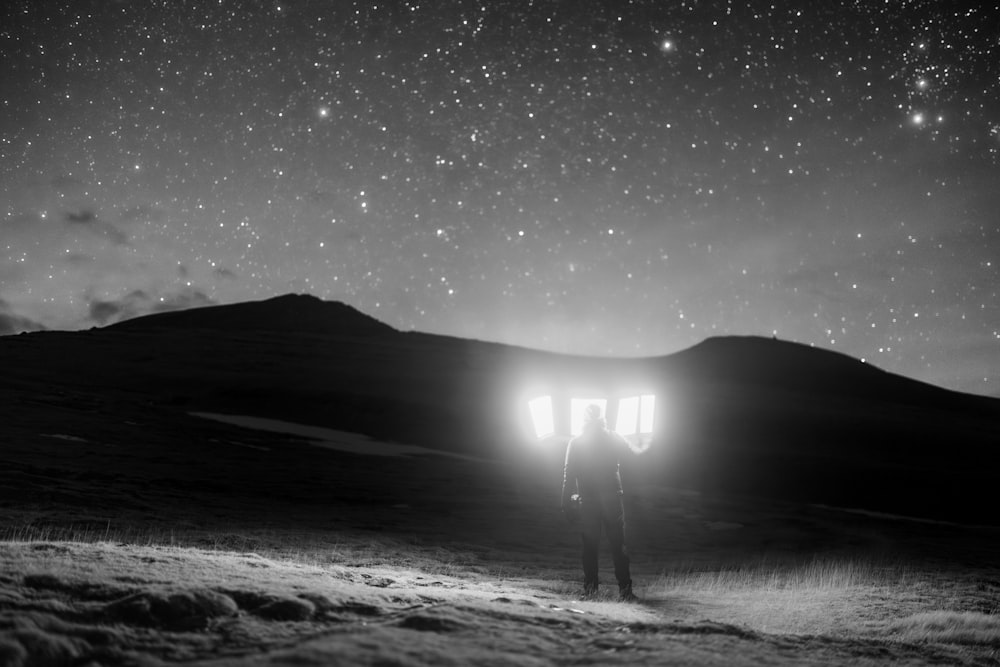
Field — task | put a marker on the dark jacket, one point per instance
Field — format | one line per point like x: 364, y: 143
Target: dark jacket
x: 592, y: 464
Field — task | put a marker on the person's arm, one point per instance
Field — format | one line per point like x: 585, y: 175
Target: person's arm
x: 569, y: 486
x: 640, y: 445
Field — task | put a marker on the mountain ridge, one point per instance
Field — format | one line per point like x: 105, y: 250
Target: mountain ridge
x: 753, y: 358
x: 302, y: 313
x: 793, y: 365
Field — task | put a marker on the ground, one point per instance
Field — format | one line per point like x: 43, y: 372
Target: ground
x: 120, y: 603
x: 175, y: 539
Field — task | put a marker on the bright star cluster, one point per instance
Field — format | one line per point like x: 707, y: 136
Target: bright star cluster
x: 605, y: 178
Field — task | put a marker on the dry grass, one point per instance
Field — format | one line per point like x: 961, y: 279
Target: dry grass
x: 86, y: 533
x: 785, y: 574
x: 300, y: 547
x: 954, y: 627
x: 839, y: 597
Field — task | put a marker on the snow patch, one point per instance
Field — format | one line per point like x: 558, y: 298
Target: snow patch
x: 342, y: 441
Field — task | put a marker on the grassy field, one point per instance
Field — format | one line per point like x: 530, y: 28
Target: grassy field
x: 110, y: 595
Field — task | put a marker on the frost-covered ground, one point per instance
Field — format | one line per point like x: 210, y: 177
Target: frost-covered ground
x: 107, y: 602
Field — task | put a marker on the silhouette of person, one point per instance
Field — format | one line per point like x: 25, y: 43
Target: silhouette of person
x: 592, y: 498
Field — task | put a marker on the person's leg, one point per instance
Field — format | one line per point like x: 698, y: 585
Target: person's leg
x: 614, y: 524
x: 590, y: 532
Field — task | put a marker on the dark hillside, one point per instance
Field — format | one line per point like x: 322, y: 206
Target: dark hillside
x: 735, y: 415
x: 772, y: 418
x: 771, y: 363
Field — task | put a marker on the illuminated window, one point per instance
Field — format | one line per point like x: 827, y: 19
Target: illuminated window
x: 541, y: 416
x: 628, y: 416
x: 647, y: 407
x: 635, y: 415
x: 577, y: 411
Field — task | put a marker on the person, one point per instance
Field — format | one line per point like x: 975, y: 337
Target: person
x: 592, y: 498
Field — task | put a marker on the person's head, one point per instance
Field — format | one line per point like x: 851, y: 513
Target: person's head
x: 592, y: 417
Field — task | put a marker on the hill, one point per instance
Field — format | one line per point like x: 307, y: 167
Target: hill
x: 296, y: 313
x: 768, y: 417
x: 753, y: 360
x: 736, y: 415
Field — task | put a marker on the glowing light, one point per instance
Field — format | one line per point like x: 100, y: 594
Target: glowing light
x: 577, y: 408
x: 667, y: 45
x: 647, y: 407
x: 628, y: 416
x: 541, y: 416
x: 918, y: 119
x: 635, y: 415
x: 324, y: 112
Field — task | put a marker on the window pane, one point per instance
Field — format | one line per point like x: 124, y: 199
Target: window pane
x: 647, y: 407
x: 541, y: 416
x: 628, y: 415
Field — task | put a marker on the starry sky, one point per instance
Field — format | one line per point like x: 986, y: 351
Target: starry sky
x: 596, y: 177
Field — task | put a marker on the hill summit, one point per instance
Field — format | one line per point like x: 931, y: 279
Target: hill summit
x: 299, y: 313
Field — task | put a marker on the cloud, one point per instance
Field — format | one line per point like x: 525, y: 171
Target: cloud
x: 139, y: 302
x: 222, y: 273
x: 186, y: 298
x: 12, y: 323
x: 102, y: 311
x: 130, y: 305
x: 88, y: 219
x: 82, y: 217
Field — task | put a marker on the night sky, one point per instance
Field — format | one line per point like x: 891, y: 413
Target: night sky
x: 621, y: 178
